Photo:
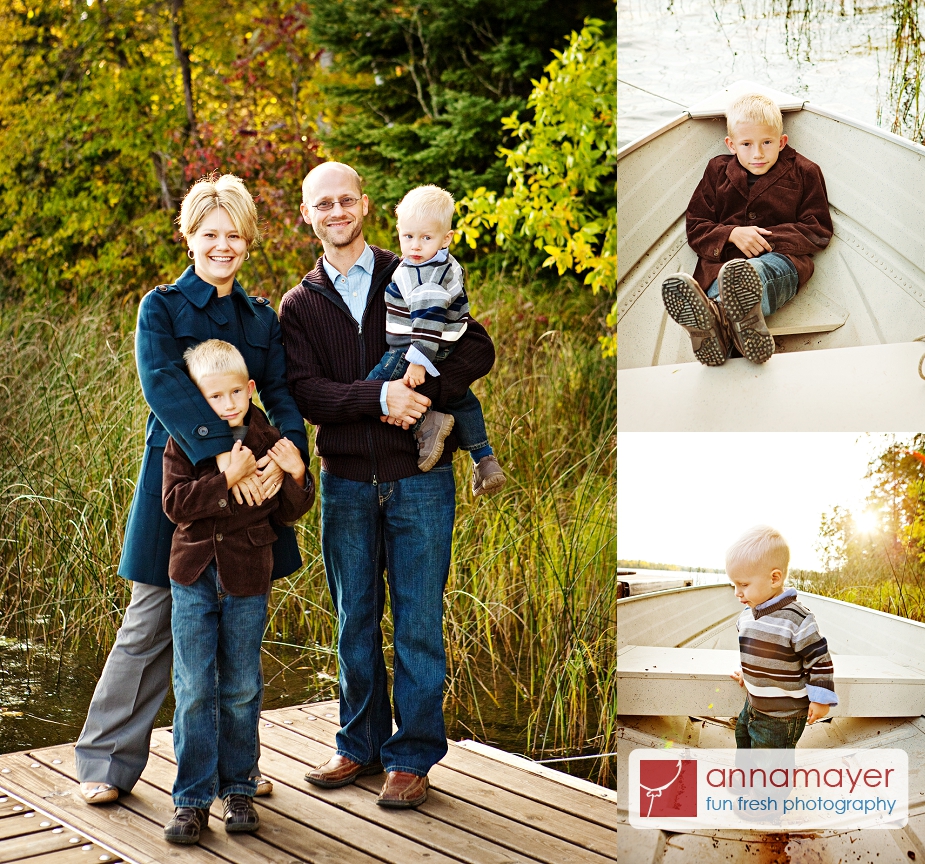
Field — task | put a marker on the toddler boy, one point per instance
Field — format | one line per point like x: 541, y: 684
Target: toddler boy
x: 786, y: 668
x: 221, y: 561
x: 765, y: 202
x: 426, y: 312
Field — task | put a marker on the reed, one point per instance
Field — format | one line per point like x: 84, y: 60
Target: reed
x: 530, y: 604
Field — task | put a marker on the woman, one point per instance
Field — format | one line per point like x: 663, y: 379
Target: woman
x: 218, y: 220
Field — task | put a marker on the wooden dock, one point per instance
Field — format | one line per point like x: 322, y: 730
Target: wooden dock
x: 482, y: 809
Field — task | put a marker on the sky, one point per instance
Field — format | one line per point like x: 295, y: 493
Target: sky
x: 684, y: 498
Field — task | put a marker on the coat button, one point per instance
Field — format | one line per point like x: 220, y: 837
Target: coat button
x: 753, y: 215
x: 715, y: 253
x: 202, y: 431
x: 219, y: 537
x: 222, y: 502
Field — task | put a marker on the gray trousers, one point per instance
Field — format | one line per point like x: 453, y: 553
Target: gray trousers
x: 113, y: 745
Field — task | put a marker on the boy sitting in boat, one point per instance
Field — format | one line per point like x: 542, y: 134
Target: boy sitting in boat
x: 786, y: 668
x: 765, y: 202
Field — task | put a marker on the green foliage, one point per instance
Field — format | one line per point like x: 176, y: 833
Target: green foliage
x: 421, y: 85
x: 562, y: 183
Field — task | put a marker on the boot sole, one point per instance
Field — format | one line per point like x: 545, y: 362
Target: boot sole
x: 445, y: 428
x: 740, y: 291
x: 326, y: 784
x: 686, y: 307
x: 492, y: 484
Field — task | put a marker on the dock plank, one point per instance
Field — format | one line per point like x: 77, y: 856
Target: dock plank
x: 480, y: 811
x: 33, y: 845
x: 498, y: 799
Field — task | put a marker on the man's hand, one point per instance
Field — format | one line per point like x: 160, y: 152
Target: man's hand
x: 750, y: 240
x: 737, y: 676
x: 817, y: 710
x: 405, y: 406
x: 414, y: 375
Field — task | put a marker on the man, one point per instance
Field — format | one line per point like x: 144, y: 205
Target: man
x: 378, y: 510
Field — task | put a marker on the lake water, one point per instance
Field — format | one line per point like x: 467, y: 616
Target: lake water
x: 684, y: 51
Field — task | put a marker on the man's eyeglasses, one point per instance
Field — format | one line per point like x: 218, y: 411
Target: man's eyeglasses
x: 346, y: 202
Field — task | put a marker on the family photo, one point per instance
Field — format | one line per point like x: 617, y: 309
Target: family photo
x: 771, y: 400
x: 309, y: 499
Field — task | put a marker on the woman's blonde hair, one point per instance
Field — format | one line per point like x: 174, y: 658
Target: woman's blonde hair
x: 754, y: 108
x: 225, y: 191
x: 428, y: 202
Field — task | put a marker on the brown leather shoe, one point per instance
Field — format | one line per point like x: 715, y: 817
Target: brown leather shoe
x: 402, y: 790
x: 340, y: 771
x: 704, y: 319
x: 740, y: 291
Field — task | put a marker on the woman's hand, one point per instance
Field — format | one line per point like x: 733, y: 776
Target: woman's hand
x: 240, y: 469
x: 270, y: 476
x: 287, y: 456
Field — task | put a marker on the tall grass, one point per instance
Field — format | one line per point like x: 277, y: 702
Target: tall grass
x: 531, y: 602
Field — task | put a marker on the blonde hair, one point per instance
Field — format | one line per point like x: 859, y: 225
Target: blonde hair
x: 760, y: 546
x: 754, y: 108
x: 429, y: 202
x: 225, y: 191
x: 214, y: 357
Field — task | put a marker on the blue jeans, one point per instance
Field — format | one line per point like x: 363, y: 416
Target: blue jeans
x: 779, y: 281
x: 757, y: 730
x: 403, y: 527
x: 467, y: 412
x: 218, y: 684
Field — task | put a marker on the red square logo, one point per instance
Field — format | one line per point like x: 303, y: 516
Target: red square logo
x: 668, y: 787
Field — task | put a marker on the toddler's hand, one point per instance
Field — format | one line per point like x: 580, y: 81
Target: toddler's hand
x: 287, y: 456
x: 750, y: 240
x: 817, y: 710
x: 737, y: 676
x: 414, y: 375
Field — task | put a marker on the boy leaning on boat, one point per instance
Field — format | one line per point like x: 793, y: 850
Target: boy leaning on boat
x: 755, y: 221
x: 786, y: 668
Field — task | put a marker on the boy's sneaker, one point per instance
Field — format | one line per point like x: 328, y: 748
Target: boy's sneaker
x: 487, y: 476
x: 430, y: 436
x: 186, y: 824
x: 740, y: 292
x: 703, y: 318
x: 239, y: 815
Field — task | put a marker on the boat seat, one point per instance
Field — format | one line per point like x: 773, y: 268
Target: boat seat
x: 808, y: 312
x: 695, y: 682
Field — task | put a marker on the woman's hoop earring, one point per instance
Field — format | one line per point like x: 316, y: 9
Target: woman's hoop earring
x: 247, y: 257
x: 189, y: 254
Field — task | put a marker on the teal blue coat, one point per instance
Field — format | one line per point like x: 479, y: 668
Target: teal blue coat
x: 172, y: 318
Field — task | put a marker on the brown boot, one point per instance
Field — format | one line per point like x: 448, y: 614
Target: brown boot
x: 740, y: 293
x: 487, y: 476
x: 430, y: 436
x: 702, y: 317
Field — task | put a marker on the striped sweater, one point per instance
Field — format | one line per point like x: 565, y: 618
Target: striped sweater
x: 785, y: 659
x: 426, y: 305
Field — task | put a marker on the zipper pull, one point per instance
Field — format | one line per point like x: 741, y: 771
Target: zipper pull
x: 375, y: 480
x: 360, y: 328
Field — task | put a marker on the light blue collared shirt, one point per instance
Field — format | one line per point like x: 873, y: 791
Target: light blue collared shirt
x: 354, y: 289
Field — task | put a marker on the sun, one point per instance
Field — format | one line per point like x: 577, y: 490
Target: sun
x: 866, y: 521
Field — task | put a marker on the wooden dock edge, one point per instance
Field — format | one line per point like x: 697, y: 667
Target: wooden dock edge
x: 523, y: 764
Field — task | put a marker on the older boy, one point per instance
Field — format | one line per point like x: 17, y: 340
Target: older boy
x: 764, y: 202
x: 786, y: 668
x: 427, y: 311
x: 221, y: 560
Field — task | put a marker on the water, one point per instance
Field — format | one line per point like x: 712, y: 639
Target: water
x: 687, y: 50
x: 696, y: 579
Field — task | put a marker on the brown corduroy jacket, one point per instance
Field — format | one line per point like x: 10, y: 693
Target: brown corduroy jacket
x: 328, y: 356
x: 790, y: 200
x: 211, y: 523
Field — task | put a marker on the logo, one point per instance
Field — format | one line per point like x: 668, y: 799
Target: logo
x: 667, y: 787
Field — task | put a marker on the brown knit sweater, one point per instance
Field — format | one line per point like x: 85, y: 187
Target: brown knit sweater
x: 328, y: 356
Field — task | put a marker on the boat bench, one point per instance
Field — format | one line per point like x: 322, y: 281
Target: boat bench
x: 695, y: 682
